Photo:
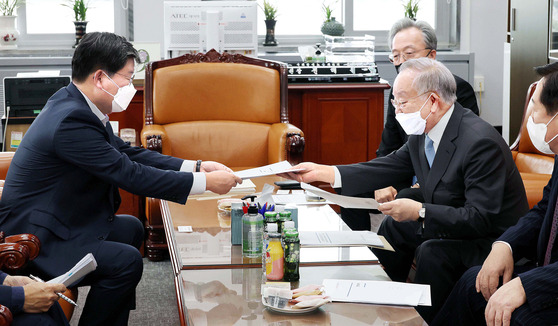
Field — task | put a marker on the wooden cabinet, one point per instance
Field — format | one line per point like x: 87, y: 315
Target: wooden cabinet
x: 342, y: 123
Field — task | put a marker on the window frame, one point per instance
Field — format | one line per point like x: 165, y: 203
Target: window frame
x: 65, y: 40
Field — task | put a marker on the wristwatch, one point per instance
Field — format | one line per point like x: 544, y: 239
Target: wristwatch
x: 422, y: 213
x: 198, y: 165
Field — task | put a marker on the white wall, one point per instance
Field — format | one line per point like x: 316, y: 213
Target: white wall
x: 484, y: 34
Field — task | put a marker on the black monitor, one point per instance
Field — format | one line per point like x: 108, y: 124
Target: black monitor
x: 26, y: 96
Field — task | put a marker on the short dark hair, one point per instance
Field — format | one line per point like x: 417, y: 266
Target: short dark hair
x: 101, y: 50
x: 549, y: 92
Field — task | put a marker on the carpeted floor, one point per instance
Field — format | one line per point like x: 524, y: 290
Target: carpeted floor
x: 155, y: 297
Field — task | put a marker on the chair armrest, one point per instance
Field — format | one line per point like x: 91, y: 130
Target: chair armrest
x: 286, y: 142
x: 152, y: 137
x: 29, y: 240
x: 6, y: 317
x: 13, y: 256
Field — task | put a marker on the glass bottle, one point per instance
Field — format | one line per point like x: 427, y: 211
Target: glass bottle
x: 292, y: 255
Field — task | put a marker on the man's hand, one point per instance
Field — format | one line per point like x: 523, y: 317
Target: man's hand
x: 401, y: 209
x: 221, y: 182
x: 40, y: 296
x: 17, y: 280
x: 498, y: 263
x: 210, y: 166
x: 504, y: 301
x: 384, y: 195
x: 312, y: 172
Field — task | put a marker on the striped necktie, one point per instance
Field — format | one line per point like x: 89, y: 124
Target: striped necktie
x: 552, y: 236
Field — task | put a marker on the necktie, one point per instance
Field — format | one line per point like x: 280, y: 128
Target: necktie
x: 552, y: 237
x: 429, y: 150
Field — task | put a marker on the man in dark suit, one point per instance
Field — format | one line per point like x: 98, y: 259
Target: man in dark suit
x: 471, y: 187
x: 31, y: 303
x: 499, y: 293
x: 62, y: 185
x: 408, y: 39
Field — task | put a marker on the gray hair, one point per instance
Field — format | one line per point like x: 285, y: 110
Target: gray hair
x: 432, y: 76
x: 428, y: 33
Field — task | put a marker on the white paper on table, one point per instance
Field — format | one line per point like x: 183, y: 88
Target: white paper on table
x: 339, y: 239
x: 275, y: 168
x: 378, y: 292
x: 343, y: 201
x: 85, y: 266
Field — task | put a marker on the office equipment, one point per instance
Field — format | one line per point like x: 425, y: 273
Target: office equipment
x: 26, y: 96
x: 199, y: 26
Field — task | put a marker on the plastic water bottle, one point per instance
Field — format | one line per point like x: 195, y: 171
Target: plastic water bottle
x: 252, y: 232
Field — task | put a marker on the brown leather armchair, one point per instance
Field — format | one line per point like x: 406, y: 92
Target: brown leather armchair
x: 535, y: 167
x: 220, y: 107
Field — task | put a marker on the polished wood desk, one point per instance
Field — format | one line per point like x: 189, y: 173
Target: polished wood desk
x: 209, y: 246
x: 232, y: 297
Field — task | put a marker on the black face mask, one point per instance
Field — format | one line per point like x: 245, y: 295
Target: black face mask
x: 397, y: 68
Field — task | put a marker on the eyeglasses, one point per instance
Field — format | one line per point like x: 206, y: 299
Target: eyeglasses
x: 131, y: 79
x: 401, y: 104
x: 406, y: 55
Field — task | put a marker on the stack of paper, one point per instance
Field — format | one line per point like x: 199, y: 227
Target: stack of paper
x: 85, y: 266
x: 340, y: 239
x: 378, y: 292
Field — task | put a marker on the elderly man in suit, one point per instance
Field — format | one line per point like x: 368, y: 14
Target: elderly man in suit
x: 499, y: 293
x: 408, y: 39
x: 62, y: 185
x: 471, y: 187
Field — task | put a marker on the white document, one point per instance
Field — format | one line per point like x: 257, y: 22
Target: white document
x: 85, y: 266
x: 343, y: 201
x: 275, y: 168
x: 378, y: 292
x: 340, y: 239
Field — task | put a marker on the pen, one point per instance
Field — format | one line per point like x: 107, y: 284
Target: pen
x: 57, y: 293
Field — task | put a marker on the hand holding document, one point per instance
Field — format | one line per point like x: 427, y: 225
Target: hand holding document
x: 343, y: 201
x: 378, y: 292
x: 85, y: 266
x: 271, y: 169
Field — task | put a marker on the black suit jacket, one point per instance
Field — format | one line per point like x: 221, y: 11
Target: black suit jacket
x: 529, y: 238
x: 62, y: 184
x: 393, y: 136
x: 473, y: 190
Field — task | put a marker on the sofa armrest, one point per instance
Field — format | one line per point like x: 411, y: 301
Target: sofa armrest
x: 29, y: 240
x: 286, y: 142
x: 13, y: 256
x: 153, y: 136
x: 6, y: 317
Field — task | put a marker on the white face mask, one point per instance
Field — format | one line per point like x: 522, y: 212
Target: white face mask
x: 413, y: 123
x: 123, y: 97
x: 537, y: 133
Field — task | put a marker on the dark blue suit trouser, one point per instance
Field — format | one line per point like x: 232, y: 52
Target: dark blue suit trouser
x: 53, y: 317
x: 466, y: 307
x: 119, y: 270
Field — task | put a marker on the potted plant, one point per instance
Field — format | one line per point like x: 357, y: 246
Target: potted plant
x: 330, y: 25
x: 270, y: 12
x: 80, y: 13
x: 8, y: 31
x: 411, y: 8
